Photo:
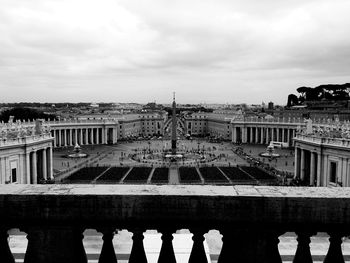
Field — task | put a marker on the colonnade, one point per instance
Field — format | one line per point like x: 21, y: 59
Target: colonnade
x: 39, y: 165
x: 262, y: 134
x: 308, y: 166
x: 83, y: 136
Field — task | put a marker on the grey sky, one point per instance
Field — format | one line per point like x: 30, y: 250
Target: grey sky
x: 228, y: 51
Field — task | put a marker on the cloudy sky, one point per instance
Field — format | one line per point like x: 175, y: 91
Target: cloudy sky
x: 227, y: 51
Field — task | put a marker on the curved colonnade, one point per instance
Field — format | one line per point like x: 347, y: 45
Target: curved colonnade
x: 84, y: 132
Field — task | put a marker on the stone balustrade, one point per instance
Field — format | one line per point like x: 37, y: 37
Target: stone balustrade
x: 25, y: 140
x: 250, y: 218
x: 340, y: 142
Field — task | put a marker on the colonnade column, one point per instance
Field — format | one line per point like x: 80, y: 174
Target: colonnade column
x: 296, y: 163
x: 272, y: 134
x: 256, y: 134
x: 302, y: 165
x: 288, y: 137
x: 318, y: 171
x: 34, y: 168
x: 106, y: 136
x: 28, y: 168
x: 114, y: 135
x: 70, y: 137
x: 86, y: 136
x: 312, y: 169
x: 75, y: 136
x: 59, y: 138
x: 65, y: 137
x: 44, y: 165
x: 267, y: 135
x: 262, y: 135
x: 81, y: 136
x: 283, y: 135
x: 50, y: 160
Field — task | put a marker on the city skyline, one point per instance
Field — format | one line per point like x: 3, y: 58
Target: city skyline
x: 207, y: 52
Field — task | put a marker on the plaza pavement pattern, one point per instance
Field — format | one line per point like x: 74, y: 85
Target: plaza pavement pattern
x: 182, y: 244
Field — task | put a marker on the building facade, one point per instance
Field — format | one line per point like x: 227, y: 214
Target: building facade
x: 322, y: 155
x: 25, y: 154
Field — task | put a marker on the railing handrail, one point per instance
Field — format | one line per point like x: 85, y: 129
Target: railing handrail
x: 185, y: 203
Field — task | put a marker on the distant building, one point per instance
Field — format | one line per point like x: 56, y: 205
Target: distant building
x: 322, y: 155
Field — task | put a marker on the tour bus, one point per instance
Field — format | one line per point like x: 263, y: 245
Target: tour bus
x: 279, y: 144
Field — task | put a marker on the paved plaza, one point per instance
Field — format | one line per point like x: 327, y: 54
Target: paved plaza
x: 117, y: 155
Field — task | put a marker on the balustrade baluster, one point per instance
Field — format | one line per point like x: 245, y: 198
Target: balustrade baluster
x: 249, y: 246
x: 5, y: 252
x: 55, y: 245
x: 302, y: 254
x: 138, y: 254
x: 334, y: 254
x: 167, y: 254
x: 198, y: 252
x: 107, y: 252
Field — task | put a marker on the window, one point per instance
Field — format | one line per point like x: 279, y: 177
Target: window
x: 333, y: 172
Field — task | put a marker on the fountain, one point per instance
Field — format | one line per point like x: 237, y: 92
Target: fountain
x: 77, y: 152
x: 270, y: 153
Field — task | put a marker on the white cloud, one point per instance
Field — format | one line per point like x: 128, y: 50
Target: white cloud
x: 142, y: 50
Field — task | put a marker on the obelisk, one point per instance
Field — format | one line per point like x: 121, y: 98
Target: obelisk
x: 173, y: 131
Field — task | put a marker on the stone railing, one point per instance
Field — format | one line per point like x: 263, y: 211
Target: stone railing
x: 340, y: 142
x: 293, y: 121
x: 250, y: 218
x: 25, y: 140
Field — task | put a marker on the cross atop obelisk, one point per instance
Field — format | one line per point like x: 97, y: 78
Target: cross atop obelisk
x: 173, y: 131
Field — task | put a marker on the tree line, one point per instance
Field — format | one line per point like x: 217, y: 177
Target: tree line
x: 328, y: 92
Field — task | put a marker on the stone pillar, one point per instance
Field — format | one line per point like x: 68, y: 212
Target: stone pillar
x: 272, y: 134
x: 302, y: 165
x: 296, y: 163
x: 267, y: 135
x: 55, y: 141
x: 251, y: 134
x: 65, y: 137
x: 234, y: 135
x: 49, y: 163
x: 75, y: 136
x: 44, y: 164
x: 278, y: 135
x: 81, y: 136
x: 70, y: 137
x: 325, y: 178
x: 48, y: 243
x: 262, y: 135
x: 312, y: 169
x: 256, y: 134
x: 28, y: 168
x: 114, y: 135
x: 244, y: 134
x: 91, y: 136
x: 283, y: 135
x: 288, y: 137
x: 34, y: 169
x: 106, y: 136
x: 318, y: 170
x: 59, y: 138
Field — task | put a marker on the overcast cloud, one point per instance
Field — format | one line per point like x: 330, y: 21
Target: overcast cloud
x: 228, y: 51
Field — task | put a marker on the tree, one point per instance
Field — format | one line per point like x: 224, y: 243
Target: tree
x: 25, y: 114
